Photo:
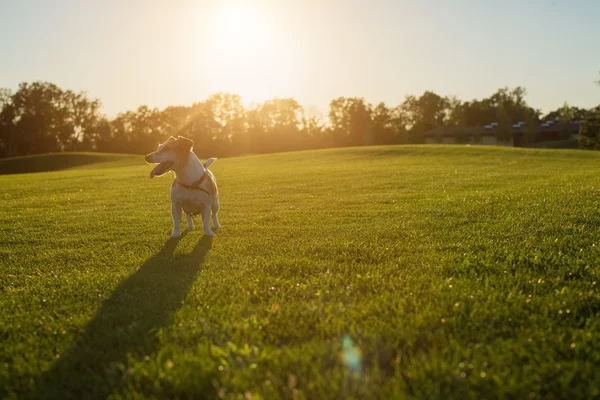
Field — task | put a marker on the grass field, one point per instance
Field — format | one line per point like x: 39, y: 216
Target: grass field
x: 381, y: 272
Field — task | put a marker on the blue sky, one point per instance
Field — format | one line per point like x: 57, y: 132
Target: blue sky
x: 158, y: 53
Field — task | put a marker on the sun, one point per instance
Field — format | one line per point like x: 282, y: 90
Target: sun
x: 235, y: 26
x: 244, y: 49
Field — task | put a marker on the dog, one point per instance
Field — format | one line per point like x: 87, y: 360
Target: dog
x: 194, y: 189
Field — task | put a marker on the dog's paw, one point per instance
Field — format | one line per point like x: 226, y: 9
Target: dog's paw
x: 209, y: 233
x: 191, y: 228
x: 216, y: 226
x: 175, y: 234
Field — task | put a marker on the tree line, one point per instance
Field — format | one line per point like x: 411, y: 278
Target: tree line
x: 40, y: 117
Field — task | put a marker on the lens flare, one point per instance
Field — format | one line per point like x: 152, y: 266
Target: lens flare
x: 351, y: 355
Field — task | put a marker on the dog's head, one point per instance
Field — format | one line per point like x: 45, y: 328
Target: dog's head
x: 169, y: 155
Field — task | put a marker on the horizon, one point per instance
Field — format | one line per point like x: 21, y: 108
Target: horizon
x: 313, y: 52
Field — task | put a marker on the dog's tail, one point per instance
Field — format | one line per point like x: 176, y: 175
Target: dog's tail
x: 209, y: 162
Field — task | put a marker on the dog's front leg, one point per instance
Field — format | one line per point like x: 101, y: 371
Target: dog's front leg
x: 215, y: 210
x: 206, y: 221
x: 176, y: 212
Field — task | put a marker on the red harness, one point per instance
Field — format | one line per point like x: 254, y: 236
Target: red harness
x: 196, y: 185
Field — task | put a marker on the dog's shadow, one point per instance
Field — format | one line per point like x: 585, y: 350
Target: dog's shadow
x: 127, y: 324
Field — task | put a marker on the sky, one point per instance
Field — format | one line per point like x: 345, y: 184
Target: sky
x: 159, y: 53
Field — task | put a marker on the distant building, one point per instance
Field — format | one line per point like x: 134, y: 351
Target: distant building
x: 517, y: 135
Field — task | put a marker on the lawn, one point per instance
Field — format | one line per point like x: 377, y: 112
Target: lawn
x: 380, y: 272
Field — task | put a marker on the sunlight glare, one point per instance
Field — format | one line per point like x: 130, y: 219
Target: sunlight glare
x: 234, y: 25
x: 247, y: 53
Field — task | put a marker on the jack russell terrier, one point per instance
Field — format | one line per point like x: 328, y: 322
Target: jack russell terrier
x: 194, y: 189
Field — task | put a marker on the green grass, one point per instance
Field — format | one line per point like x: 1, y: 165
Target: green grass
x: 62, y: 161
x: 381, y: 272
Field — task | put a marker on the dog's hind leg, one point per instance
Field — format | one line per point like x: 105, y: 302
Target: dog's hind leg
x: 215, y: 209
x: 176, y: 212
x: 206, y: 222
x: 190, y: 221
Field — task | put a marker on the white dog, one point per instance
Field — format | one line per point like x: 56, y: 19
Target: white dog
x: 194, y: 189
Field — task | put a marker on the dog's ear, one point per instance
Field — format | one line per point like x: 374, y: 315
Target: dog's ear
x: 208, y: 162
x: 184, y: 145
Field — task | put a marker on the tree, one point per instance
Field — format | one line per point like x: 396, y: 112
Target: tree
x: 529, y: 130
x: 136, y: 131
x: 80, y: 117
x: 174, y: 121
x: 351, y: 121
x: 384, y: 126
x: 98, y: 136
x: 425, y: 113
x: 6, y: 115
x: 227, y: 114
x: 566, y: 119
x: 589, y: 132
x: 398, y: 122
x: 589, y: 129
x: 40, y: 117
x: 462, y: 134
x: 36, y: 119
x: 504, y: 128
x: 314, y: 128
x: 276, y: 125
x: 515, y: 108
x: 5, y: 97
x: 455, y: 112
x: 576, y: 113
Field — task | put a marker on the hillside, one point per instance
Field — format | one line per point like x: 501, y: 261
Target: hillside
x: 379, y: 272
x: 62, y: 161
